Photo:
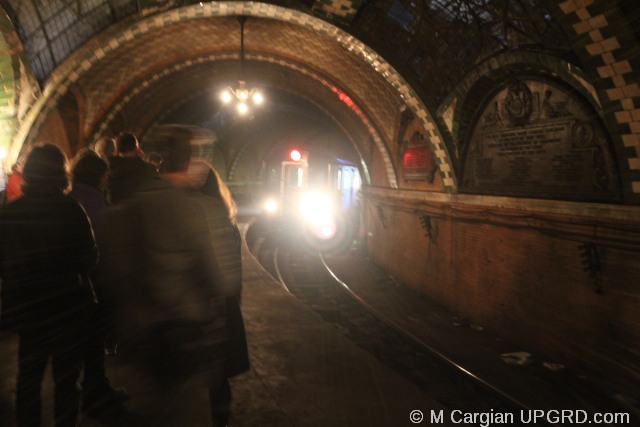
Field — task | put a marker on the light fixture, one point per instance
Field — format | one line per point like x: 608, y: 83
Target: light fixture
x: 241, y: 95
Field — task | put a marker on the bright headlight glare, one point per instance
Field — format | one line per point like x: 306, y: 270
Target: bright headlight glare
x: 270, y: 205
x: 326, y: 231
x: 242, y: 108
x: 316, y: 208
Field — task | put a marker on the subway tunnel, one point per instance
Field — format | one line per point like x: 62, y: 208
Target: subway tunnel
x: 498, y: 143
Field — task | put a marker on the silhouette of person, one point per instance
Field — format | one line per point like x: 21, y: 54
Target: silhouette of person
x: 105, y: 147
x: 89, y: 178
x: 127, y: 169
x: 165, y: 280
x: 221, y: 210
x: 46, y: 247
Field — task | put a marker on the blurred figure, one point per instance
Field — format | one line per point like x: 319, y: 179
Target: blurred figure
x: 127, y: 169
x: 127, y: 145
x: 46, y: 247
x: 89, y: 180
x: 105, y: 147
x: 165, y: 280
x: 89, y: 174
x: 221, y: 209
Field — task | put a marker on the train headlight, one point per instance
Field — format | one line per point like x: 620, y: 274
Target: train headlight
x: 324, y: 231
x: 270, y: 206
x: 316, y: 208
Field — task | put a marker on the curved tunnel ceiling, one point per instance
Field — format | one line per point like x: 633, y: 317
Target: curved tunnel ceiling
x: 165, y: 93
x: 285, y: 120
x: 430, y: 44
x: 147, y: 68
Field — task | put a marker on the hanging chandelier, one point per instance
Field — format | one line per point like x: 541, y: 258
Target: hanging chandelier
x: 241, y: 95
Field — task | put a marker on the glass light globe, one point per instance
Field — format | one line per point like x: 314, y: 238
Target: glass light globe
x: 225, y: 95
x: 242, y: 108
x: 258, y: 98
x: 243, y: 94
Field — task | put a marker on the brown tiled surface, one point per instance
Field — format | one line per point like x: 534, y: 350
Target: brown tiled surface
x: 140, y: 65
x: 116, y: 62
x: 620, y: 82
x: 155, y: 41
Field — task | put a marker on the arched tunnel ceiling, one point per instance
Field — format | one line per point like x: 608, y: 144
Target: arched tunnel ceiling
x: 297, y: 108
x: 137, y: 51
x: 311, y: 109
x: 163, y: 95
x: 148, y: 70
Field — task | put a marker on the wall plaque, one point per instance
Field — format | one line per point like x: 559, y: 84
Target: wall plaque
x: 417, y: 160
x: 535, y: 139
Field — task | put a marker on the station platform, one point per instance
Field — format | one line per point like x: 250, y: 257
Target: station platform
x: 306, y: 373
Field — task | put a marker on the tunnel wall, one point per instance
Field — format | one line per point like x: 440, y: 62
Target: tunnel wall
x: 522, y: 273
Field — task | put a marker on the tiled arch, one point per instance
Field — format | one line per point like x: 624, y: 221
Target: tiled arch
x: 8, y: 122
x: 606, y: 39
x: 88, y: 57
x: 18, y: 88
x: 457, y: 109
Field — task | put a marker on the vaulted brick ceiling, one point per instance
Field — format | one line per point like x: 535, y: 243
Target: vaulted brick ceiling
x: 159, y: 71
x: 136, y: 62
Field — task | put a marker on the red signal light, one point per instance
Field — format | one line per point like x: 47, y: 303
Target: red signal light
x: 295, y: 155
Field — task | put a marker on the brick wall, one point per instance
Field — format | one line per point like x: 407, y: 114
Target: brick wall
x: 519, y: 272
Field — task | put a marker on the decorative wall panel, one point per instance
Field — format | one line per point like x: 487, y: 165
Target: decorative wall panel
x: 538, y: 139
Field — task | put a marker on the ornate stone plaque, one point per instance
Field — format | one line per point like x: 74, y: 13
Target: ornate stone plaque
x: 535, y: 139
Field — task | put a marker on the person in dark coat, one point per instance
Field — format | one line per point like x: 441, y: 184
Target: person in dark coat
x: 89, y: 174
x: 162, y: 270
x: 220, y: 207
x: 127, y: 168
x: 88, y: 184
x: 46, y: 247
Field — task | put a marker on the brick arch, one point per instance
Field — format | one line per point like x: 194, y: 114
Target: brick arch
x: 19, y: 87
x: 8, y: 121
x: 88, y: 57
x: 466, y: 98
x: 606, y: 40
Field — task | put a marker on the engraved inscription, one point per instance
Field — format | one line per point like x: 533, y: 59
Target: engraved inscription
x: 534, y: 139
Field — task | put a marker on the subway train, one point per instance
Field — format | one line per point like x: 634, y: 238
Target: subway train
x: 319, y: 200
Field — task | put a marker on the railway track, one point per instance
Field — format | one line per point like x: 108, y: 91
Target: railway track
x: 303, y: 273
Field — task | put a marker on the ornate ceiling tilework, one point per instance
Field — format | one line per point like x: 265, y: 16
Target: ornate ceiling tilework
x: 158, y: 43
x: 620, y: 83
x: 186, y: 39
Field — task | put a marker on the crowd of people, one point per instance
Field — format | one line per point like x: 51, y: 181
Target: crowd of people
x: 121, y: 252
